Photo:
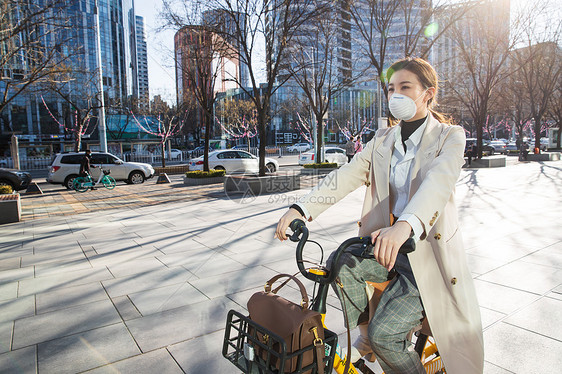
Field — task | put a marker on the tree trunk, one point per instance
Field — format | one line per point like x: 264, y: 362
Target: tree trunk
x: 537, y: 128
x: 208, y: 120
x: 162, y: 147
x: 319, y: 140
x: 262, y: 140
x: 479, y: 133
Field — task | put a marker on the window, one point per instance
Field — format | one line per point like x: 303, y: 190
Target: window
x: 244, y: 155
x: 227, y: 155
x: 71, y: 159
x: 101, y: 158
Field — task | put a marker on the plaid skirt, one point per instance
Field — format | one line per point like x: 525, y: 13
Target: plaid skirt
x: 400, y: 309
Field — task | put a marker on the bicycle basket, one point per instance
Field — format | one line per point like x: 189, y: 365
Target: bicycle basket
x: 241, y: 340
x: 106, y: 172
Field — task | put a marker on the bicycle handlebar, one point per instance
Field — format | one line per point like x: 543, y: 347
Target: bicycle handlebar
x: 364, y: 251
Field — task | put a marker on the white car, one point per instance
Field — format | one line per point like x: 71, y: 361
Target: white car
x: 234, y: 161
x: 331, y: 154
x: 299, y: 147
x: 66, y: 166
x: 499, y: 146
x: 175, y: 154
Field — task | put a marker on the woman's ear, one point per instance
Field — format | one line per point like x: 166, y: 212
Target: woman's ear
x: 430, y: 94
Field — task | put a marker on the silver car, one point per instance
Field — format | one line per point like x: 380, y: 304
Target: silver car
x: 234, y: 161
x: 66, y: 166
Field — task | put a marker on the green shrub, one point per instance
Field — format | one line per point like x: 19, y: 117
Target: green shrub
x: 6, y: 190
x: 323, y: 165
x: 205, y: 174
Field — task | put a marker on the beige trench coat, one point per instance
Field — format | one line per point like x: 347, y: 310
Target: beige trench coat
x: 439, y: 262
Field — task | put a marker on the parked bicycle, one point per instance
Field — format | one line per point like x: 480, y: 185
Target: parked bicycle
x: 83, y: 184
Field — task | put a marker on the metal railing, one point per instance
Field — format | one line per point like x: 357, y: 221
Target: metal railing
x: 27, y: 163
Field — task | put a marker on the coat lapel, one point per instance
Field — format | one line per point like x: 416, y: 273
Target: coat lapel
x: 383, y: 154
x: 426, y: 153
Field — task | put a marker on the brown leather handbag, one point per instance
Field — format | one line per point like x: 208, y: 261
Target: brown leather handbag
x: 298, y: 326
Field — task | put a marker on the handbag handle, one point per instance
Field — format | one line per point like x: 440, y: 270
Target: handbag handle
x: 269, y: 283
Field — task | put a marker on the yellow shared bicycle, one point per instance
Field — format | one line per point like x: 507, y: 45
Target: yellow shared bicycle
x: 242, y: 334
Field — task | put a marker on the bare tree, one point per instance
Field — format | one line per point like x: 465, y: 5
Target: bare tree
x: 315, y: 66
x: 201, y: 57
x: 253, y: 23
x: 410, y: 24
x: 538, y: 65
x: 555, y: 111
x: 482, y: 45
x: 78, y: 90
x: 32, y: 44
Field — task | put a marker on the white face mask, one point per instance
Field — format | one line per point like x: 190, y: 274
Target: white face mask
x: 403, y: 107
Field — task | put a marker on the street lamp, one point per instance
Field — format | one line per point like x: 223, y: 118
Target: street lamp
x: 101, y: 115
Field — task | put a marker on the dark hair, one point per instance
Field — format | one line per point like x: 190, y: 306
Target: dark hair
x: 428, y: 78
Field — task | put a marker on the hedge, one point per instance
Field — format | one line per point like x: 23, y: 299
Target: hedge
x: 205, y: 174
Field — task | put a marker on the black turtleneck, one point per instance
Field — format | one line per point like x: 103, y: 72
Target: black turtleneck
x: 408, y: 128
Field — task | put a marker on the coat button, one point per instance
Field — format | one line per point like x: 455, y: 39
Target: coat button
x: 437, y: 236
x: 367, y: 183
x: 454, y: 281
x: 359, y: 223
x: 431, y: 222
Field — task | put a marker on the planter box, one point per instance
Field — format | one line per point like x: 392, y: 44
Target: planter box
x: 489, y: 162
x: 317, y: 171
x: 202, y: 181
x: 234, y: 184
x: 10, y: 208
x: 545, y: 156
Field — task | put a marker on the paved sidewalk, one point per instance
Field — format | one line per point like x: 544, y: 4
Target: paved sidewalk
x: 144, y: 288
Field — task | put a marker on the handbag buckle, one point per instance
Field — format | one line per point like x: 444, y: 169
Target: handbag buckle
x: 317, y: 340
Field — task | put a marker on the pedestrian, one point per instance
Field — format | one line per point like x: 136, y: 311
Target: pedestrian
x: 350, y: 148
x: 358, y: 145
x: 410, y: 170
x: 523, y: 151
x: 85, y: 165
x: 470, y: 153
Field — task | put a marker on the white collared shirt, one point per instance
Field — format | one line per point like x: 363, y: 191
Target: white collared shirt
x: 400, y: 168
x: 400, y: 176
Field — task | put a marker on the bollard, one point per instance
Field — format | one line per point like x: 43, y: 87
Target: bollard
x: 33, y: 189
x: 163, y: 178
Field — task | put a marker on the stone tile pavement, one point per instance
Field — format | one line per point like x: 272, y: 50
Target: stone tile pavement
x: 140, y: 280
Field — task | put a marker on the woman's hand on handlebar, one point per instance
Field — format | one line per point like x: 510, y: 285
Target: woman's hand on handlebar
x: 387, y: 242
x: 284, y: 222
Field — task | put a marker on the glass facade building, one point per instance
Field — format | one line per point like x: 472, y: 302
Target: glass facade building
x: 124, y: 66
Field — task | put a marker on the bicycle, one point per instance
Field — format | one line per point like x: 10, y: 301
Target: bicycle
x: 83, y: 184
x: 240, y: 332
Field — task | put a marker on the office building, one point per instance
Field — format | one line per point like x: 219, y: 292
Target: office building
x: 123, y: 54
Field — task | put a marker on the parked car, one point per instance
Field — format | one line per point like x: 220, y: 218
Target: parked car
x: 499, y: 146
x: 66, y: 166
x: 175, y: 154
x: 331, y: 154
x: 196, y: 152
x: 234, y: 161
x: 243, y: 147
x: 543, y: 144
x: 511, y: 147
x: 17, y: 179
x: 299, y: 147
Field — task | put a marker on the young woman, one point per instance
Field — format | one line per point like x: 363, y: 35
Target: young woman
x: 410, y: 170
